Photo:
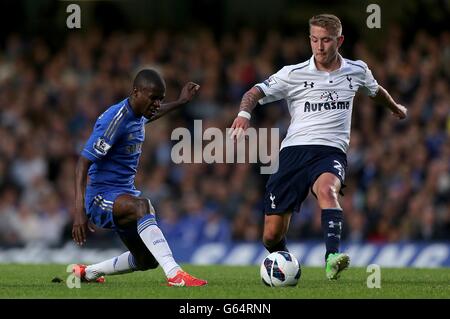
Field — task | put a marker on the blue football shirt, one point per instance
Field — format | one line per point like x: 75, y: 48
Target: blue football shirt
x: 114, y: 147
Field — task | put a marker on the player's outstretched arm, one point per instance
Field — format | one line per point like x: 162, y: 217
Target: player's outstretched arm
x: 80, y: 222
x: 384, y: 98
x: 187, y: 94
x: 242, y: 121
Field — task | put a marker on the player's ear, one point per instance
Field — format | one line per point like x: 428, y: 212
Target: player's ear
x: 340, y: 40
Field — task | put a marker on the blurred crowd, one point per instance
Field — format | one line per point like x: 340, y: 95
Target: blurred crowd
x: 398, y: 178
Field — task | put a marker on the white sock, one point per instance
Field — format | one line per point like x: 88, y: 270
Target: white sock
x: 122, y: 264
x: 154, y: 239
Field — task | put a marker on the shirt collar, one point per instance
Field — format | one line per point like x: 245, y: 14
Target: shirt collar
x: 128, y: 106
x: 312, y: 64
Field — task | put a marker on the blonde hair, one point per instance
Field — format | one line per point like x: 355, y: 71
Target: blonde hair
x: 328, y: 21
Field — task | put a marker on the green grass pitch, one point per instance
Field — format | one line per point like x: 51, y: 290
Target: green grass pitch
x: 228, y: 282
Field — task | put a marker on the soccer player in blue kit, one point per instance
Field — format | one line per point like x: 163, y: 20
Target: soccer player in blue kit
x: 110, y: 200
x: 319, y: 93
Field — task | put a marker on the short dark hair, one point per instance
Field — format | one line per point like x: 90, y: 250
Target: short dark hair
x: 328, y: 21
x: 148, y: 77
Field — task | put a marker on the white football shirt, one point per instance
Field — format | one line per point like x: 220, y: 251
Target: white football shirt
x: 320, y: 103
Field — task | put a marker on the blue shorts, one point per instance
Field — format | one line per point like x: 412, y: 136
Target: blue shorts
x: 299, y: 167
x: 99, y: 207
x: 99, y: 210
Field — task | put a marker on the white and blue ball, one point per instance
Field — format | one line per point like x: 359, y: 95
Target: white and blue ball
x: 280, y: 269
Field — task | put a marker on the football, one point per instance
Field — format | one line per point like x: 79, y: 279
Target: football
x: 280, y: 269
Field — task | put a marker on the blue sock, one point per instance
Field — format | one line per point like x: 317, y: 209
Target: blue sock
x: 281, y: 246
x: 332, y: 226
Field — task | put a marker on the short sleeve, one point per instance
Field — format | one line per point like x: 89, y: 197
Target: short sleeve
x: 370, y: 84
x: 106, y: 132
x: 276, y: 87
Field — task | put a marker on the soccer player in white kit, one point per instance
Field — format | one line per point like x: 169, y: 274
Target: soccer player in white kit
x: 319, y: 93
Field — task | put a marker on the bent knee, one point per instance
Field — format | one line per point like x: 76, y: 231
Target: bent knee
x: 139, y: 208
x: 272, y: 237
x: 327, y: 193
